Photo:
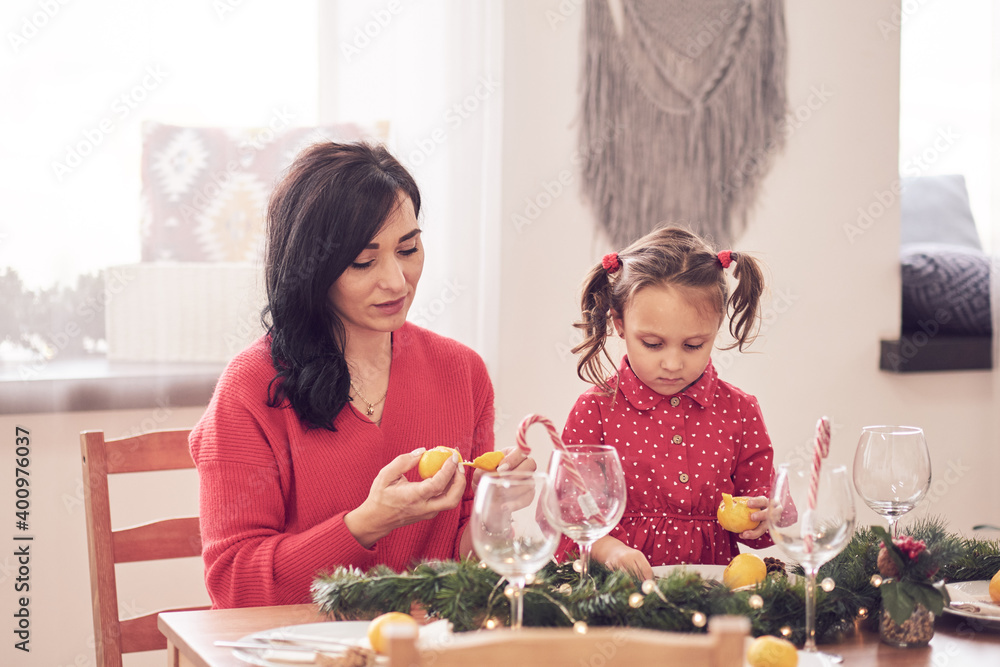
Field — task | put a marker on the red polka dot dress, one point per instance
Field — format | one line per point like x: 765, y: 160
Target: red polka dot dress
x: 679, y: 453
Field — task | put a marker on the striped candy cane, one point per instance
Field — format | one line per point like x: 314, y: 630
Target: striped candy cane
x: 586, y: 500
x: 820, y: 451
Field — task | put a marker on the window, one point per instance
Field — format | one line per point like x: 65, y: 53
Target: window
x: 87, y: 80
x: 945, y: 188
x: 84, y: 79
x: 946, y: 88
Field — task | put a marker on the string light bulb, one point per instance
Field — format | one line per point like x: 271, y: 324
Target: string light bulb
x: 698, y: 619
x: 756, y: 601
x: 785, y: 631
x: 648, y: 586
x: 862, y: 612
x: 635, y: 600
x: 580, y: 627
x: 491, y: 623
x: 565, y: 589
x: 577, y: 566
x: 828, y: 584
x: 509, y: 591
x: 876, y: 580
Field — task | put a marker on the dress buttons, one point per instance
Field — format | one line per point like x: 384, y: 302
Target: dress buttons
x: 684, y: 478
x: 677, y: 439
x: 675, y: 401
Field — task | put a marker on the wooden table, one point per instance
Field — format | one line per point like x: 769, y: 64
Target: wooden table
x: 957, y: 642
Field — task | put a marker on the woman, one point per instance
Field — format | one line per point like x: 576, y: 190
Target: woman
x: 307, y: 452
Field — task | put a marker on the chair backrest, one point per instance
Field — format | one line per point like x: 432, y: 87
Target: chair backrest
x: 156, y: 540
x: 722, y: 646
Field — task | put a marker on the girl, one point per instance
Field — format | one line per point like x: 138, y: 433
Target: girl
x: 684, y: 435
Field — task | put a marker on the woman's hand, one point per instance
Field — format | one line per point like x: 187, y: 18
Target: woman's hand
x: 394, y: 501
x: 514, y: 459
x: 757, y: 503
x: 618, y: 556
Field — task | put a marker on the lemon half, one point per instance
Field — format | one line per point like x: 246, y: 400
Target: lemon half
x: 770, y: 651
x: 376, y: 629
x: 744, y: 570
x: 432, y: 460
x: 734, y: 514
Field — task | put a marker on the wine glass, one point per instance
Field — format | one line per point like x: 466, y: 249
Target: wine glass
x: 892, y: 470
x: 811, y: 520
x: 586, y: 495
x: 509, y: 530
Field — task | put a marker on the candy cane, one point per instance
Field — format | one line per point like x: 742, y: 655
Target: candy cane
x: 586, y: 500
x: 820, y: 451
x: 522, y: 441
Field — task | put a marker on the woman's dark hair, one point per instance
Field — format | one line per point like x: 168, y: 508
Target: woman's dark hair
x: 666, y: 256
x: 334, y: 199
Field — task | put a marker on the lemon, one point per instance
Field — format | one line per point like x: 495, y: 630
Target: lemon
x: 734, y: 514
x: 744, y: 570
x: 376, y: 629
x: 488, y: 461
x: 432, y: 460
x: 995, y: 588
x: 770, y: 651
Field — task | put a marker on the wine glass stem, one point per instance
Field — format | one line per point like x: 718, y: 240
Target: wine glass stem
x: 517, y: 603
x: 584, y: 560
x: 892, y: 527
x: 810, y: 644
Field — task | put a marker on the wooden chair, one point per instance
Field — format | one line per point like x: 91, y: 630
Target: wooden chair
x: 722, y: 646
x: 161, y: 539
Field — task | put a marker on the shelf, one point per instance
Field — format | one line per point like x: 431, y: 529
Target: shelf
x: 97, y: 384
x: 918, y: 352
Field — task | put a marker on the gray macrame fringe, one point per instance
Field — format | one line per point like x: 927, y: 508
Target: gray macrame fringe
x: 681, y: 114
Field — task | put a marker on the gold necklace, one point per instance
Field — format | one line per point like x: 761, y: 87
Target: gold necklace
x: 371, y: 406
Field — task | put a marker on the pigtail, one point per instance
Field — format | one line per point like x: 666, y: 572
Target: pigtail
x: 595, y: 306
x: 745, y: 300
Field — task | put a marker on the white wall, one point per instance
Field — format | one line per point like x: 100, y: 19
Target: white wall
x: 832, y: 299
x: 818, y: 355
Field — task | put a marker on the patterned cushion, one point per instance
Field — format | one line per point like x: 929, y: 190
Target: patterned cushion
x: 205, y: 190
x: 946, y: 289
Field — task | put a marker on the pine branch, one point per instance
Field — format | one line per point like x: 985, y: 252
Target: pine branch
x: 468, y: 594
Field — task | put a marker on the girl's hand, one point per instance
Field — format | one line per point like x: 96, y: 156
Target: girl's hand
x: 618, y: 556
x: 394, y: 501
x: 757, y: 503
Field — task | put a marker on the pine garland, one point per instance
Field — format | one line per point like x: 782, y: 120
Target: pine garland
x: 470, y: 595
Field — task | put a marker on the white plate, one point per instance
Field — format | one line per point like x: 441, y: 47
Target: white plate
x: 354, y: 633
x: 976, y: 593
x: 706, y: 571
x: 814, y: 660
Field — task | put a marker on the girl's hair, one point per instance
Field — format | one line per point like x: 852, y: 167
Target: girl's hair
x: 667, y: 256
x: 331, y: 203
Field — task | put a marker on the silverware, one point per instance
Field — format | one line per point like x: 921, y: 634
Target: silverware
x: 265, y: 647
x: 313, y: 644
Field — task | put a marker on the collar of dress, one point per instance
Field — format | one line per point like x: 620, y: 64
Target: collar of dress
x: 641, y: 397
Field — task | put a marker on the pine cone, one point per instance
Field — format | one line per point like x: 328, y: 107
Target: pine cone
x: 774, y: 565
x: 886, y: 566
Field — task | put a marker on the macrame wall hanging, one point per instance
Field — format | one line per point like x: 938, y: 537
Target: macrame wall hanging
x: 683, y: 106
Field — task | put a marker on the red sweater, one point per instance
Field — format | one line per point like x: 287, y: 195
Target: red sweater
x: 274, y: 494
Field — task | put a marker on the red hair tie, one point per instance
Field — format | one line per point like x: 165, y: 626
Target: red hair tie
x: 726, y: 258
x: 610, y: 262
